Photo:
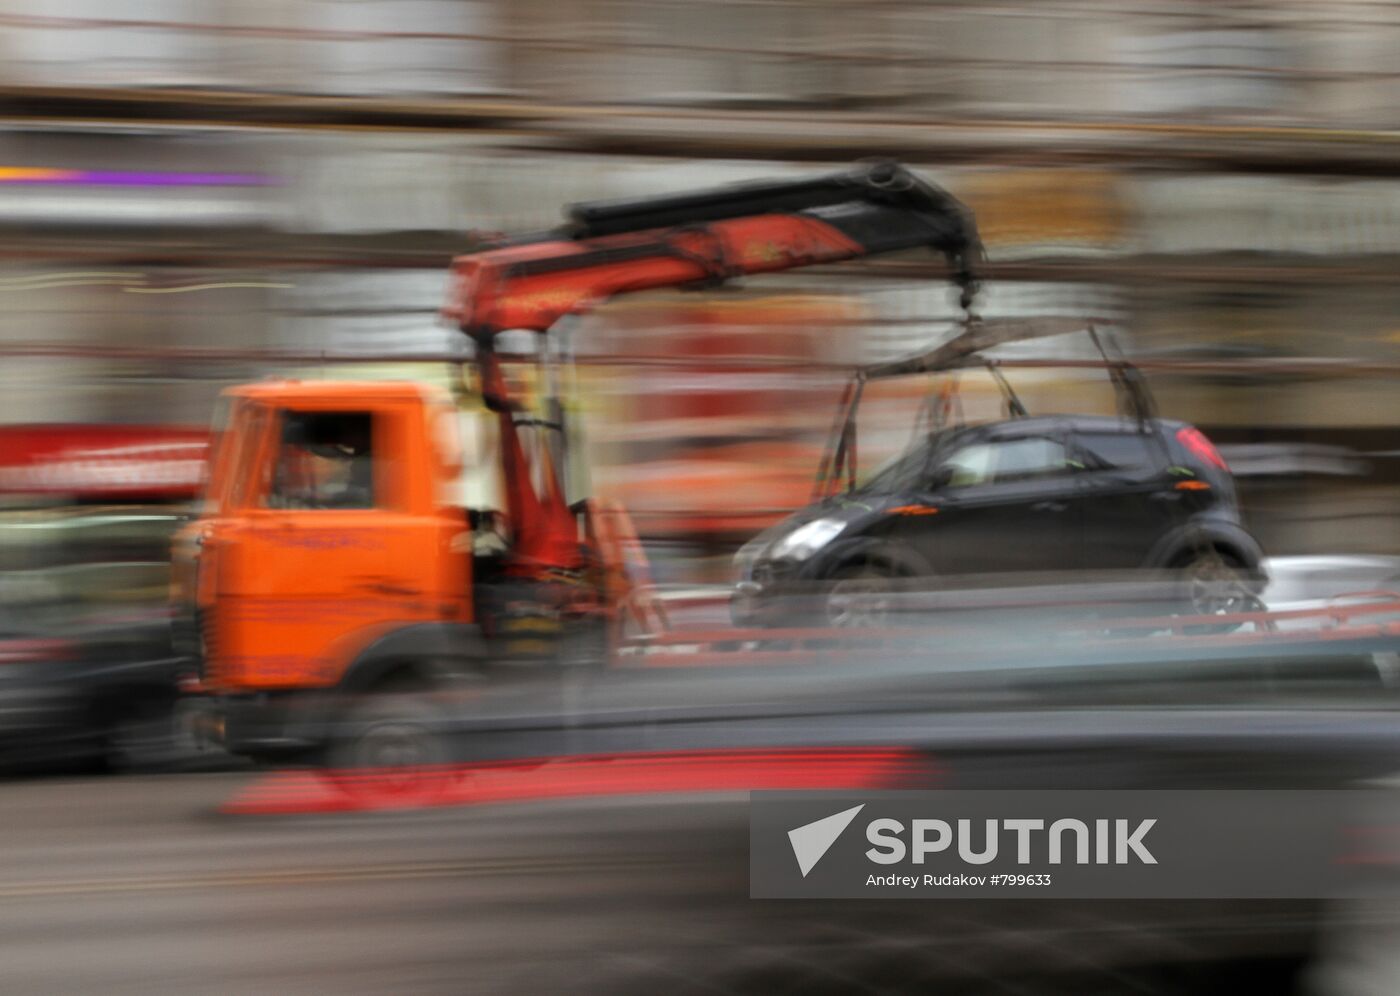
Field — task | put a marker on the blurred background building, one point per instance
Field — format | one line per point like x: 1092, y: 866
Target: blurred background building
x: 197, y: 192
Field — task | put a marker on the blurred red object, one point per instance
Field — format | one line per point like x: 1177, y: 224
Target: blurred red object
x: 725, y: 437
x: 643, y: 773
x: 103, y: 462
x: 38, y: 650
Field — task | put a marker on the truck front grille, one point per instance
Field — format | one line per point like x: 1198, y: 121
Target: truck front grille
x: 208, y: 651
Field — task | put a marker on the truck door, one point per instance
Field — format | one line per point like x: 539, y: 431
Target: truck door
x: 333, y: 552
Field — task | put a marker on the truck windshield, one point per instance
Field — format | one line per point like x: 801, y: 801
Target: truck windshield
x: 221, y: 444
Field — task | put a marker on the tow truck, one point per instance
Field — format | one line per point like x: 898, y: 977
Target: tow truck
x: 333, y: 586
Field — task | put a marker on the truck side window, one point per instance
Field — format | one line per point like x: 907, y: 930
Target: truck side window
x: 324, y: 460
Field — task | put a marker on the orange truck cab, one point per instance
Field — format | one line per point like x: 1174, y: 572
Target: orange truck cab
x: 330, y: 555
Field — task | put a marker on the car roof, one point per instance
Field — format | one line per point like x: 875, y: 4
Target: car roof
x: 1079, y: 423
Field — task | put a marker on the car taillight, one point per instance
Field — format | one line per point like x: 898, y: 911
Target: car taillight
x: 1198, y: 445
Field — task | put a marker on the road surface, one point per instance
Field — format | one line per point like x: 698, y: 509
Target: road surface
x: 140, y: 885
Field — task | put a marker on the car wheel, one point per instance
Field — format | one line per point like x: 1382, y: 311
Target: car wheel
x: 140, y: 740
x: 860, y: 598
x: 1217, y: 584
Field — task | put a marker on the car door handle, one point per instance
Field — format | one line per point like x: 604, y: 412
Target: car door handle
x: 1166, y: 496
x: 1049, y: 506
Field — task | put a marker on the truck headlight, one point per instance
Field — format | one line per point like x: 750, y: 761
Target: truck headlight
x: 806, y: 540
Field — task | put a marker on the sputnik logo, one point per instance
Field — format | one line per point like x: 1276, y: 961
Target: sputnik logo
x: 812, y: 840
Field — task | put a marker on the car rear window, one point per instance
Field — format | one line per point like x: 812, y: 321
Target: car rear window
x: 1119, y: 450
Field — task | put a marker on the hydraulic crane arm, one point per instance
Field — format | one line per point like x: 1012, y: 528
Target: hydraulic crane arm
x: 618, y: 247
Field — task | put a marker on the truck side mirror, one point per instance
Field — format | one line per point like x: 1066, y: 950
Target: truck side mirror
x: 940, y: 478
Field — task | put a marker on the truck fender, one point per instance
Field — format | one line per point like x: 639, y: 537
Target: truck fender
x: 432, y: 649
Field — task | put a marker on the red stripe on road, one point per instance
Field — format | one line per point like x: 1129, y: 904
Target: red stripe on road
x: 598, y: 775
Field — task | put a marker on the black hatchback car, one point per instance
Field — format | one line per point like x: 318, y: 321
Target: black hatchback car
x: 1033, y: 495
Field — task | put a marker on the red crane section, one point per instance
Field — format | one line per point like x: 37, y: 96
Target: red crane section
x: 687, y: 239
x: 621, y: 247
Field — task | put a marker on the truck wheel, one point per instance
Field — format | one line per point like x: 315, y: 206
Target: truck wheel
x: 391, y: 747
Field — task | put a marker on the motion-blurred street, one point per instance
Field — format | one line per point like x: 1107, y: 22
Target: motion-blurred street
x: 160, y: 893
x: 451, y: 451
x: 138, y: 885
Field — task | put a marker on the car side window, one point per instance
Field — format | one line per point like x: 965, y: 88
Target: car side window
x: 1007, y: 460
x: 324, y: 460
x: 1030, y: 459
x: 1118, y: 450
x: 969, y: 465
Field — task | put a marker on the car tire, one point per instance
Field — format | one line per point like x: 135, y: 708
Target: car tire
x: 140, y: 740
x: 1216, y: 583
x: 859, y: 597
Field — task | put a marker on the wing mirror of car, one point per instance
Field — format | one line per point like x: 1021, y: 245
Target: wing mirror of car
x: 940, y: 478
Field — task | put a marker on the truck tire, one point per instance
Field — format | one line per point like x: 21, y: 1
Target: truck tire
x: 391, y: 748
